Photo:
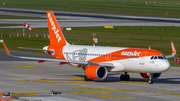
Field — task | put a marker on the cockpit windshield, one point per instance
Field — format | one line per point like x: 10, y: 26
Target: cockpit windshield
x: 158, y: 57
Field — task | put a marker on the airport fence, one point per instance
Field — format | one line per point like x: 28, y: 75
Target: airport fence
x: 21, y: 35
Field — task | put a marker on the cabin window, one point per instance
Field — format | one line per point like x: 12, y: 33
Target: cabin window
x: 160, y: 57
x: 155, y: 57
x: 152, y: 57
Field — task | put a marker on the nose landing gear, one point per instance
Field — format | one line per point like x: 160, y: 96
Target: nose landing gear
x: 150, y: 79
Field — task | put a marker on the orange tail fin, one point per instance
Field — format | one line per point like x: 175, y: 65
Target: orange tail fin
x: 55, y: 34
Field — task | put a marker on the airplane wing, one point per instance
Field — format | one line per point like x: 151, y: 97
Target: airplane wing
x: 173, y: 51
x: 35, y: 49
x: 47, y: 51
x: 57, y: 60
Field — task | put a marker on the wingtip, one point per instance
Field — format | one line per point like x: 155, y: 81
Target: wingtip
x: 173, y: 48
x: 7, y: 51
x: 171, y: 42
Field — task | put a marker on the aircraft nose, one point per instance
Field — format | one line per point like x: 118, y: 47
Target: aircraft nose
x: 165, y: 66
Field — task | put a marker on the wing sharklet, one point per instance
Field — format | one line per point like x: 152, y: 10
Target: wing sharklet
x: 173, y: 51
x: 7, y: 51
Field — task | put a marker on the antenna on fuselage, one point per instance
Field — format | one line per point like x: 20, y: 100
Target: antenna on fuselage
x: 149, y: 47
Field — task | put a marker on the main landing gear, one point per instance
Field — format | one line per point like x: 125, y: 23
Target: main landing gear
x: 150, y: 79
x: 87, y: 79
x: 125, y: 77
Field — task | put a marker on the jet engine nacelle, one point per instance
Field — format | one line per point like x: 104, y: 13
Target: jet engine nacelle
x: 96, y: 72
x: 154, y: 76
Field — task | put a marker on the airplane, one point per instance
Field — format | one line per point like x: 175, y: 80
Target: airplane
x: 97, y: 61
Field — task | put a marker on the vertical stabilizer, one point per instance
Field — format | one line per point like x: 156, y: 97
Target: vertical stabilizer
x: 55, y: 34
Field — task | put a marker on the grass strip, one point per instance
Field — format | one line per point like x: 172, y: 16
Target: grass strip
x: 157, y: 38
x: 18, y: 17
x: 165, y: 8
x: 1, y: 25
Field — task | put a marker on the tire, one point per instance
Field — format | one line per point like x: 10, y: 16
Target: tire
x: 122, y: 77
x: 150, y: 82
x: 127, y: 77
x: 86, y: 78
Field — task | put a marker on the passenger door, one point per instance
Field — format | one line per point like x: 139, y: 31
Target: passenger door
x: 142, y: 58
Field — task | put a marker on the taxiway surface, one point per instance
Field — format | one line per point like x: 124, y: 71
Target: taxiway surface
x: 37, y: 80
x: 82, y: 19
x: 29, y: 78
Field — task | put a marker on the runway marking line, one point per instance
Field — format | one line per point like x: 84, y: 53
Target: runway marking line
x: 20, y: 66
x: 67, y: 82
x: 78, y: 78
x: 16, y: 94
x: 111, y: 89
x: 170, y: 70
x: 117, y: 82
x: 133, y: 82
x: 32, y: 80
x: 88, y: 92
x: 50, y: 81
x: 167, y: 93
x: 117, y: 97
